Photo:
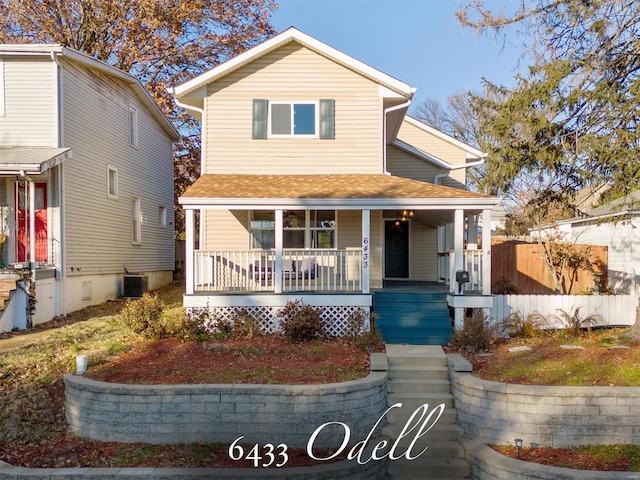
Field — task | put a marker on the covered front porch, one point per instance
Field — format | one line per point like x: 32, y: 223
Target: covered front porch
x: 330, y: 251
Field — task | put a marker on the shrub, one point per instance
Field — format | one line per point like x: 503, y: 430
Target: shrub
x: 301, y: 323
x: 477, y: 333
x: 148, y: 317
x: 356, y: 333
x: 575, y: 322
x: 524, y: 327
x: 245, y: 325
x: 179, y: 324
x: 143, y: 316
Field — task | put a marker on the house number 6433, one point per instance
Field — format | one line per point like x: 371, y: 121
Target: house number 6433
x: 264, y: 456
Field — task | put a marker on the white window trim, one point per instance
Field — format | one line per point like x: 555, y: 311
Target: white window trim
x: 133, y: 126
x: 307, y: 229
x: 136, y: 224
x: 117, y: 181
x: 292, y: 102
x: 2, y: 105
x: 162, y: 216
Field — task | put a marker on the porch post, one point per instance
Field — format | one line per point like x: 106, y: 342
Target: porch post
x: 32, y: 224
x: 366, y: 249
x: 189, y: 260
x: 279, y: 241
x: 458, y: 243
x: 472, y: 232
x: 486, y: 252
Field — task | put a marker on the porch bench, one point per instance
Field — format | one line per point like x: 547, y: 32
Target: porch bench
x: 302, y: 269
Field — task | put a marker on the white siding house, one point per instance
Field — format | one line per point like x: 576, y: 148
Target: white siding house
x: 86, y: 178
x: 615, y: 225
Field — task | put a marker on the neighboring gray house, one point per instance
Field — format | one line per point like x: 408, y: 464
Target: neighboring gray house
x: 86, y: 179
x: 616, y: 225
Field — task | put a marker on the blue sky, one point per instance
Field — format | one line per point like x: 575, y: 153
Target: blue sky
x: 417, y: 41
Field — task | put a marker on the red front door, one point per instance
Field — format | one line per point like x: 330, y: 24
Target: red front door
x: 40, y: 214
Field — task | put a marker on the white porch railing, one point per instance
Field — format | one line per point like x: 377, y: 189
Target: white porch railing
x: 472, y: 263
x: 255, y: 270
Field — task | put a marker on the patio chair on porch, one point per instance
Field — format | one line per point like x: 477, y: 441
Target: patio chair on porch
x: 306, y: 268
x: 261, y: 270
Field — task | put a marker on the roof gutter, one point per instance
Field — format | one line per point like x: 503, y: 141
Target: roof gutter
x: 384, y: 132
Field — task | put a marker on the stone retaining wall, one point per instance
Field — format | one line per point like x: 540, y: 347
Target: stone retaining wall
x: 221, y: 413
x: 344, y: 470
x: 497, y: 412
x: 487, y: 464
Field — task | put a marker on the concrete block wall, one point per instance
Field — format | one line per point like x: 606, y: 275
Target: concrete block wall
x: 221, y: 413
x: 497, y: 412
x: 487, y: 464
x: 343, y: 470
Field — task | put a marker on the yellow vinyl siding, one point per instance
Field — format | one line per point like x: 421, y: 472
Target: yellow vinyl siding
x: 350, y: 236
x: 403, y: 164
x: 423, y: 254
x: 406, y: 165
x: 226, y: 230
x: 293, y: 73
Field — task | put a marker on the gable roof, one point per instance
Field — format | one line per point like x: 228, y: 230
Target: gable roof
x: 294, y: 35
x: 53, y: 50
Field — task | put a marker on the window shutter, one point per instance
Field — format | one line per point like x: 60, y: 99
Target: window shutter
x: 327, y: 119
x: 259, y: 119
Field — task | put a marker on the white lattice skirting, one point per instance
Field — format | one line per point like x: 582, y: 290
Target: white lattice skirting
x: 335, y: 317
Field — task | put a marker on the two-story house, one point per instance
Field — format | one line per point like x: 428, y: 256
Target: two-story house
x: 86, y: 179
x: 317, y: 186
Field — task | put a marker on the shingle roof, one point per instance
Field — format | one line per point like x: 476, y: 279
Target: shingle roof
x: 345, y: 186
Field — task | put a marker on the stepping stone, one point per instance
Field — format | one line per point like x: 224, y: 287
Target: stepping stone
x: 620, y: 347
x: 521, y: 348
x: 571, y: 347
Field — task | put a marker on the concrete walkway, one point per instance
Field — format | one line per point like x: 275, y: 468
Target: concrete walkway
x: 419, y: 375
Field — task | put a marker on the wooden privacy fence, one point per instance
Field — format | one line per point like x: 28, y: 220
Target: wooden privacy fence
x: 521, y: 265
x: 614, y: 310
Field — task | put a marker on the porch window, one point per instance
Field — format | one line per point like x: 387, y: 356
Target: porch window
x: 262, y: 230
x: 302, y: 229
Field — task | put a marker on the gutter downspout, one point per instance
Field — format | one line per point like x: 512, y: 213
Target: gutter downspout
x: 60, y: 183
x: 384, y: 133
x: 203, y: 150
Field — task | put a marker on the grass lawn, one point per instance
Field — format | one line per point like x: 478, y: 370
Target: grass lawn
x: 604, y: 357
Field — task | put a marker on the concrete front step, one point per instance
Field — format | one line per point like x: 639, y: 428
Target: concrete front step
x: 439, y: 433
x: 412, y: 355
x: 429, y: 468
x: 418, y: 373
x: 401, y: 415
x: 411, y: 401
x: 422, y: 386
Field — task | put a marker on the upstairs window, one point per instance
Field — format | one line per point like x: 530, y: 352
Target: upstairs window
x: 112, y: 182
x: 133, y: 126
x: 277, y: 119
x: 286, y: 119
x: 1, y: 88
